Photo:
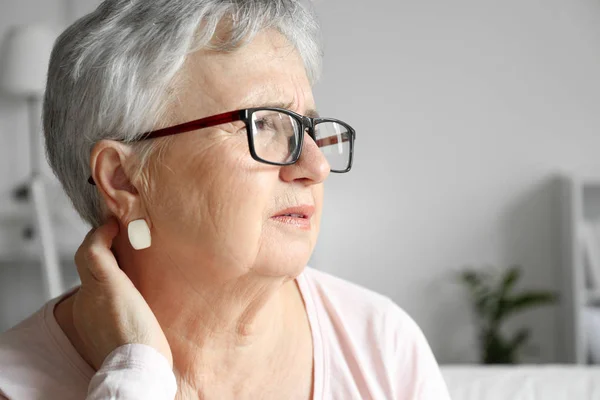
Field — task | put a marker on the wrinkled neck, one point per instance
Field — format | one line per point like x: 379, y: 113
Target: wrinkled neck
x: 212, y: 319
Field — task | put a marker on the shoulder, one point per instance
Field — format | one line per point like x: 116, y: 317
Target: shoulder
x: 21, y: 348
x: 358, y: 303
x: 334, y: 288
x: 31, y: 362
x: 23, y: 342
x: 360, y: 326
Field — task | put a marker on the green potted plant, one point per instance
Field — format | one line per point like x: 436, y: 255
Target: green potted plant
x: 494, y: 299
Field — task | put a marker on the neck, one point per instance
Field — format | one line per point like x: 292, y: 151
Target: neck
x: 241, y: 321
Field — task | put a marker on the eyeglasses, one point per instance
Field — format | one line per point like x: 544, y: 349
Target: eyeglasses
x: 276, y: 135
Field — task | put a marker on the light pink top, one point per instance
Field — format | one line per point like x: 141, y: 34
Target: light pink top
x: 365, y: 347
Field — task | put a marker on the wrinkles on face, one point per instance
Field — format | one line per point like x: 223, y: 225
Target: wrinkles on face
x: 216, y: 202
x: 218, y: 192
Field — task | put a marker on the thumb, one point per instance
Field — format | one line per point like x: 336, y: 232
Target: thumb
x: 94, y: 258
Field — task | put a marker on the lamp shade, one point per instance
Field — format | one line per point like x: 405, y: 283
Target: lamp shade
x: 25, y: 60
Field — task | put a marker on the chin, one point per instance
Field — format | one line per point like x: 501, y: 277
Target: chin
x: 287, y: 271
x: 282, y: 263
x: 284, y: 254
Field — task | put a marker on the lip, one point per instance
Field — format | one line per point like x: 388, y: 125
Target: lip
x: 305, y: 211
x: 296, y: 217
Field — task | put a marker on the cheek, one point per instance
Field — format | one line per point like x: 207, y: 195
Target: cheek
x: 215, y: 202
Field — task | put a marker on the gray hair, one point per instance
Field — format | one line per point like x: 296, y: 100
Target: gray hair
x: 112, y: 73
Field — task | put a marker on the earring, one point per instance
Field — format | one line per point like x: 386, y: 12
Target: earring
x: 139, y: 234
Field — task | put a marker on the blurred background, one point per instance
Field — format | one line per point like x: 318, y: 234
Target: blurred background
x: 475, y: 192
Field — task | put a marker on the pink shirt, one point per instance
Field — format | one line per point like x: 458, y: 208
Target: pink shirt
x: 365, y: 347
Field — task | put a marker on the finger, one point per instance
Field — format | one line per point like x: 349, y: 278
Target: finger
x: 94, y: 258
x: 105, y: 234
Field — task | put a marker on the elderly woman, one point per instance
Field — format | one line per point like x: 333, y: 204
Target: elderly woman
x: 186, y: 133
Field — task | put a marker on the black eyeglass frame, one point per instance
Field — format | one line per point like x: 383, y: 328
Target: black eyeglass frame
x: 245, y: 115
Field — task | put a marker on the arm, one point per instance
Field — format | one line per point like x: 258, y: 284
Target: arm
x: 132, y: 372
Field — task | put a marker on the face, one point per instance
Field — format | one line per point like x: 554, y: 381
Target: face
x: 211, y: 201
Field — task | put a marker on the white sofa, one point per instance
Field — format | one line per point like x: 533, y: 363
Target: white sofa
x: 527, y: 382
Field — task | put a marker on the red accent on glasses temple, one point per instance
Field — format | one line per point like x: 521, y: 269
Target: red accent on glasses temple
x: 208, y: 122
x: 331, y: 140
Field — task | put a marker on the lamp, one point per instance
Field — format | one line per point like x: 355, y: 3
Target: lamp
x: 25, y: 65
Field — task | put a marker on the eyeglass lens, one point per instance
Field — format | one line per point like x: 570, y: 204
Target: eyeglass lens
x: 276, y: 137
x: 334, y: 141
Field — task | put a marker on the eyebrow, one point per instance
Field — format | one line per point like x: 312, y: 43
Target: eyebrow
x: 289, y: 106
x: 313, y: 113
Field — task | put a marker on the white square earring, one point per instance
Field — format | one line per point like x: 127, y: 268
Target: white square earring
x: 139, y: 234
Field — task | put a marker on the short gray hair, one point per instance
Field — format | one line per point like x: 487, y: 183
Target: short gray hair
x: 111, y: 73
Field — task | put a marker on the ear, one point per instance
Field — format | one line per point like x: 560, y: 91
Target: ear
x: 110, y: 163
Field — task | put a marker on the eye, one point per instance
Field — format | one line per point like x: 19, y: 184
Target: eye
x: 264, y: 124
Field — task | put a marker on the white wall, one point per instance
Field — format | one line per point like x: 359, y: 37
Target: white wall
x: 464, y: 112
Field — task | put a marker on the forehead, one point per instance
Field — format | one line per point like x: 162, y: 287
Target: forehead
x: 267, y: 70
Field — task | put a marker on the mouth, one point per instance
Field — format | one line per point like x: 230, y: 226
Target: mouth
x: 296, y: 217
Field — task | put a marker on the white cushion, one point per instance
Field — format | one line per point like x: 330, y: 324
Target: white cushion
x: 527, y: 382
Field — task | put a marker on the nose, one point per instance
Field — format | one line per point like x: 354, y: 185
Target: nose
x: 312, y: 167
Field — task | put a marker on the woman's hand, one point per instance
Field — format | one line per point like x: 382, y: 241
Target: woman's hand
x: 108, y: 310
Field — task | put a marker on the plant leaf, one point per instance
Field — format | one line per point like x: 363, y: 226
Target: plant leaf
x: 479, y: 291
x: 511, y: 276
x: 518, y: 340
x: 527, y: 300
x: 472, y: 279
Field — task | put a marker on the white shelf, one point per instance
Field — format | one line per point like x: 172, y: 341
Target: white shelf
x: 592, y: 297
x: 27, y: 258
x: 16, y: 215
x: 69, y: 231
x: 580, y: 202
